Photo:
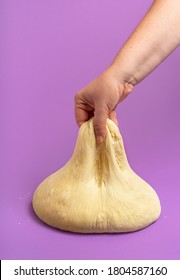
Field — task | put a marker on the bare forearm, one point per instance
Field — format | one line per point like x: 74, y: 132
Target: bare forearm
x: 157, y: 35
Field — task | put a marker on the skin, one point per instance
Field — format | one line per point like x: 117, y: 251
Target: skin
x: 156, y: 36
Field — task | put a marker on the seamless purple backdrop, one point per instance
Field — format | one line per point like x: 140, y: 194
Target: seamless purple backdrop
x: 48, y: 51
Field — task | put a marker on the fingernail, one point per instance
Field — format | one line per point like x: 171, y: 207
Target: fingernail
x: 99, y: 139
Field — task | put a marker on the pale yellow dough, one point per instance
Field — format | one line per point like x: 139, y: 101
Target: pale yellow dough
x: 96, y: 191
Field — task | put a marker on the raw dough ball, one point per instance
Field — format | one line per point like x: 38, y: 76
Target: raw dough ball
x: 96, y: 191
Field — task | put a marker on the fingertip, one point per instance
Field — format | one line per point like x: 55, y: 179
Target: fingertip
x: 99, y: 139
x: 113, y: 117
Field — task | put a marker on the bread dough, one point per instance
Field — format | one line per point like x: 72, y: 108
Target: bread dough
x: 96, y: 191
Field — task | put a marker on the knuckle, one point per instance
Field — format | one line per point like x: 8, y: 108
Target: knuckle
x: 76, y: 96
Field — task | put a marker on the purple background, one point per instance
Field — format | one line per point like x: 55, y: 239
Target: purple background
x: 48, y: 51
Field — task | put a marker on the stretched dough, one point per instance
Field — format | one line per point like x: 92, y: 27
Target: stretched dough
x: 96, y: 191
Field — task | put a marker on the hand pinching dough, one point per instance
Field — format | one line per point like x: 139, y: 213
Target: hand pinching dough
x: 96, y: 191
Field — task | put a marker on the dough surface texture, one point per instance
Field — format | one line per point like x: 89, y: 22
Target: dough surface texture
x: 96, y: 191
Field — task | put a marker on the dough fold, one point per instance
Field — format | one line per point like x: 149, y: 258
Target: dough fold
x: 97, y: 191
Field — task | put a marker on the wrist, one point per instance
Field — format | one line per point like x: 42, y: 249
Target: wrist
x: 123, y: 81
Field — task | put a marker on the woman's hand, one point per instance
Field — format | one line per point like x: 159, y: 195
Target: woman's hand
x: 99, y: 99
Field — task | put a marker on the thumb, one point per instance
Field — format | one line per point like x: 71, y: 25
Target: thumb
x: 99, y: 121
